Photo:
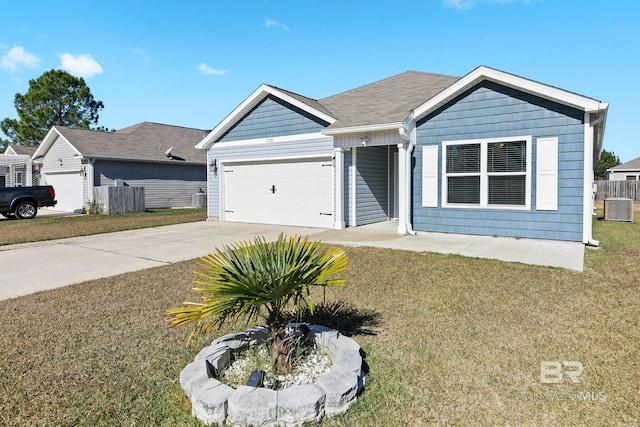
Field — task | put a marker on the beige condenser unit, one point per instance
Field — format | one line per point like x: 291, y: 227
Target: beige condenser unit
x: 618, y: 209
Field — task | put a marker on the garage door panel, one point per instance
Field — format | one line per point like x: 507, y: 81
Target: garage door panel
x: 286, y: 193
x: 69, y: 191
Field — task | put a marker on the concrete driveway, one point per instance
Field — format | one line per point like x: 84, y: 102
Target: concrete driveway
x: 34, y: 267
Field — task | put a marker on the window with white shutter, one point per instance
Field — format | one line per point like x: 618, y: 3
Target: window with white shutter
x: 430, y: 176
x: 547, y: 174
x: 487, y: 173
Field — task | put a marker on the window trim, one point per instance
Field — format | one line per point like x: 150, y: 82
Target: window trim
x: 484, y: 174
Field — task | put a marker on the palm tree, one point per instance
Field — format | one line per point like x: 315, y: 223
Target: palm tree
x: 246, y: 281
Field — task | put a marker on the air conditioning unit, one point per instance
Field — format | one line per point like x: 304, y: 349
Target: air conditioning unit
x: 199, y: 200
x: 618, y: 209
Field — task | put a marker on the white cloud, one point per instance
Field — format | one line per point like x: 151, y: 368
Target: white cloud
x: 468, y: 4
x: 142, y: 53
x: 272, y: 23
x: 80, y: 65
x: 205, y: 69
x: 17, y: 57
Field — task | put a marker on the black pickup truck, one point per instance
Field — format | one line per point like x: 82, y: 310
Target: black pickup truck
x: 23, y: 202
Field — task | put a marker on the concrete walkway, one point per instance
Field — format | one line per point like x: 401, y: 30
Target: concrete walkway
x: 568, y: 255
x: 34, y: 267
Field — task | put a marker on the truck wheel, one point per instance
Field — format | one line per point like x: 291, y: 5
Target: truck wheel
x: 26, y: 210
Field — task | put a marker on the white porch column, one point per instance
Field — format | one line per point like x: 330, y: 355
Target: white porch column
x: 403, y: 188
x: 338, y: 158
x: 29, y: 173
x: 12, y: 175
x: 89, y: 179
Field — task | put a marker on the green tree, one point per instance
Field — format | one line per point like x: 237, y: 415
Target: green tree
x: 607, y: 160
x: 55, y: 98
x: 263, y: 280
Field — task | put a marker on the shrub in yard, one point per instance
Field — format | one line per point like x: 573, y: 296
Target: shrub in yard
x: 94, y: 208
x: 248, y: 281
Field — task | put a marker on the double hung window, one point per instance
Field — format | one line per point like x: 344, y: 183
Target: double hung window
x: 490, y: 173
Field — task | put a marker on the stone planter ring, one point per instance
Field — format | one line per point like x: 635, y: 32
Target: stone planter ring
x: 215, y: 402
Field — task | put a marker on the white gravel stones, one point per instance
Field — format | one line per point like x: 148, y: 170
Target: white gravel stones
x: 325, y: 384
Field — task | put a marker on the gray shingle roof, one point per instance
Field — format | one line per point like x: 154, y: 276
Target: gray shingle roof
x: 631, y: 164
x: 310, y: 102
x: 27, y: 150
x: 144, y: 141
x: 389, y: 100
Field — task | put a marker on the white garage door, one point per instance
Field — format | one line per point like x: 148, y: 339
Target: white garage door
x: 68, y: 188
x: 298, y: 193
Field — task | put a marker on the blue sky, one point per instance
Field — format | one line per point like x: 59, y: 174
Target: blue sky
x: 190, y: 63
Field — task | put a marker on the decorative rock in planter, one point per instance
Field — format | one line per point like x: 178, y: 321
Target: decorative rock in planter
x: 214, y: 402
x: 254, y: 406
x: 300, y: 404
x: 209, y: 404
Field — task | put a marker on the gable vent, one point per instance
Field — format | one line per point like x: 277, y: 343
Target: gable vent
x: 618, y: 209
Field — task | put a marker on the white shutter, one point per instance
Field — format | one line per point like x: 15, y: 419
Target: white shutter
x: 547, y: 174
x: 430, y: 176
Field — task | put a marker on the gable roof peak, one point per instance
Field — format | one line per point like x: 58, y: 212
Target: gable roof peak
x: 146, y: 141
x: 631, y: 164
x: 389, y: 100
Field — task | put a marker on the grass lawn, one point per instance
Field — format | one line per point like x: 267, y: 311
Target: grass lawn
x: 449, y: 341
x: 48, y: 227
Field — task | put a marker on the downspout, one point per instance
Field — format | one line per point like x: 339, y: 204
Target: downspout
x: 407, y: 177
x: 592, y: 124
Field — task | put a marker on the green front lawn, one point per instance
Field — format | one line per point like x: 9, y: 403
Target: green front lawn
x: 449, y: 341
x: 49, y: 228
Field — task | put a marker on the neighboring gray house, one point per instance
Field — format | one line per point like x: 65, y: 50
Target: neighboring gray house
x: 629, y: 171
x: 490, y: 153
x: 158, y: 157
x: 16, y: 167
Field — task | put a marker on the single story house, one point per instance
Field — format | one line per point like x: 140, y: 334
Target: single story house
x: 489, y: 153
x: 17, y: 168
x: 161, y: 158
x: 629, y: 171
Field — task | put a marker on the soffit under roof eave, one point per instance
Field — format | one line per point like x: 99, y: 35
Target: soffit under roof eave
x: 483, y: 73
x: 248, y: 104
x: 364, y: 128
x: 134, y: 160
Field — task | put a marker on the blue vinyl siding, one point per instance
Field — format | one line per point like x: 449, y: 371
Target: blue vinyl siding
x: 165, y: 185
x: 348, y: 168
x: 490, y: 110
x: 392, y: 150
x: 372, y: 186
x: 230, y: 152
x: 273, y: 117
